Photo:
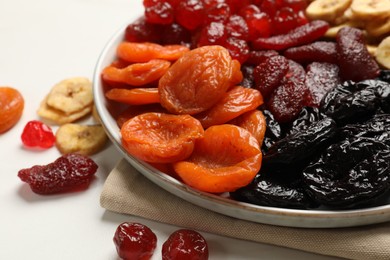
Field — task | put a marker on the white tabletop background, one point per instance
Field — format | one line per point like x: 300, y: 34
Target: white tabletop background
x: 41, y: 43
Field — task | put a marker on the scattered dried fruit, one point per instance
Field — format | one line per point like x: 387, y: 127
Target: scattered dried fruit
x: 38, y: 134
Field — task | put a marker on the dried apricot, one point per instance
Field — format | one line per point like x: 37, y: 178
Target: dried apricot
x: 226, y: 158
x: 200, y: 78
x: 160, y: 137
x: 137, y: 74
x: 135, y: 96
x: 11, y: 107
x: 254, y: 121
x: 144, y: 52
x: 133, y: 111
x: 235, y: 102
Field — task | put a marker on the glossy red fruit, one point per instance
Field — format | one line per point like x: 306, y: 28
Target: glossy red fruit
x: 320, y: 51
x: 285, y: 20
x: 259, y: 23
x: 69, y: 172
x: 158, y: 12
x: 237, y: 27
x: 38, y: 134
x: 142, y: 31
x: 257, y: 57
x: 185, y: 244
x: 134, y: 241
x: 237, y: 48
x: 213, y: 34
x: 190, y: 14
x: 218, y: 13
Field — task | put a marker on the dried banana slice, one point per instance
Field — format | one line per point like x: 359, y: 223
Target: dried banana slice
x: 372, y: 49
x: 82, y: 139
x: 378, y: 28
x: 370, y: 9
x: 332, y: 31
x: 71, y: 95
x: 382, y: 53
x: 327, y: 10
x: 59, y: 117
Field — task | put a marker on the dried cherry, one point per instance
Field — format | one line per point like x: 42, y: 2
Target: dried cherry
x: 134, y: 241
x: 68, y: 172
x: 38, y: 134
x: 185, y: 244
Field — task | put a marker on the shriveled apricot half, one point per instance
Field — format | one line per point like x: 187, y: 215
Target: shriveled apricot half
x: 198, y: 80
x: 226, y: 158
x: 11, y: 107
x: 160, y: 137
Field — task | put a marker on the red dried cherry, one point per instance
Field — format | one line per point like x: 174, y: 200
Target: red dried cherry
x: 38, y: 134
x: 185, y: 244
x: 68, y: 173
x: 190, y: 14
x: 158, y: 12
x: 213, y: 34
x: 134, y: 241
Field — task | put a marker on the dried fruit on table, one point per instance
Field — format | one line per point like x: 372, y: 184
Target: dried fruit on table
x: 82, y: 139
x: 161, y: 138
x: 67, y: 173
x: 235, y: 102
x: 135, y: 96
x: 196, y: 81
x: 137, y: 74
x: 185, y: 244
x: 134, y: 241
x: 134, y: 52
x: 38, y: 134
x: 11, y: 107
x: 320, y: 51
x: 301, y: 35
x: 226, y: 158
x: 354, y: 60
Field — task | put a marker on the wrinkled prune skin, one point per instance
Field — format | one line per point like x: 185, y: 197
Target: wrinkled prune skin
x: 247, y: 80
x: 265, y: 192
x: 306, y: 117
x: 349, y: 174
x: 301, y: 145
x: 273, y: 131
x: 384, y: 75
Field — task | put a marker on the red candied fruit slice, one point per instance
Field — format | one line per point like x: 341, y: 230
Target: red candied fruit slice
x: 213, y: 34
x: 218, y: 13
x: 287, y: 101
x: 284, y: 21
x: 296, y: 73
x: 38, y: 134
x: 257, y: 57
x: 185, y: 244
x: 190, y: 14
x: 237, y: 48
x: 237, y: 27
x: 158, y: 12
x: 320, y: 51
x: 141, y: 31
x: 68, y: 172
x: 320, y: 78
x: 269, y: 74
x: 134, y: 241
x: 354, y: 60
x: 301, y: 35
x: 259, y: 23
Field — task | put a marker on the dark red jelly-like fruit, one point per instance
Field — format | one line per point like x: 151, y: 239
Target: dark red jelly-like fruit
x: 213, y: 34
x: 284, y: 21
x: 158, y: 12
x: 185, y: 244
x: 320, y: 78
x: 237, y: 48
x: 303, y: 34
x: 141, y: 31
x: 269, y: 74
x: 134, y: 241
x: 320, y: 51
x: 38, y: 134
x: 69, y: 172
x: 190, y: 14
x: 354, y: 60
x: 257, y: 57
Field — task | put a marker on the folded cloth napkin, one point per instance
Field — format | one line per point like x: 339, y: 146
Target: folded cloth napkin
x: 127, y: 191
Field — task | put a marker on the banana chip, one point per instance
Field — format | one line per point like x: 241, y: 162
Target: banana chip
x: 327, y: 10
x: 377, y: 28
x: 370, y: 9
x: 71, y: 95
x: 82, y: 139
x: 382, y: 53
x: 59, y: 117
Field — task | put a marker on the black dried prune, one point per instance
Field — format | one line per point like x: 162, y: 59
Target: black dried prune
x: 351, y: 173
x: 341, y: 90
x: 248, y: 80
x: 273, y: 131
x: 306, y: 117
x: 384, y: 75
x: 270, y: 193
x: 301, y: 145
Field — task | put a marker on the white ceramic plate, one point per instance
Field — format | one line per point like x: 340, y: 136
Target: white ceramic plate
x: 240, y: 210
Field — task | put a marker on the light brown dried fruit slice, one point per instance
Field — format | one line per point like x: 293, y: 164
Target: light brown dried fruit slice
x: 382, y: 54
x: 370, y: 9
x: 327, y: 10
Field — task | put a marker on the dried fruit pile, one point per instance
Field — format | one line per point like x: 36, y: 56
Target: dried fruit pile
x: 204, y: 89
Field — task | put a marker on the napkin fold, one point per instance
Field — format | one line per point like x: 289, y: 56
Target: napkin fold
x: 128, y: 191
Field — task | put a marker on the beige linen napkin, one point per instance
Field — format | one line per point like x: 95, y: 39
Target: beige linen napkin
x: 127, y: 191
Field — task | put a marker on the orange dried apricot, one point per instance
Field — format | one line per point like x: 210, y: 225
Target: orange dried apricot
x: 135, y: 96
x: 160, y: 137
x: 226, y: 158
x: 137, y: 74
x: 235, y: 102
x: 132, y: 111
x: 254, y: 121
x: 197, y: 80
x: 143, y: 52
x: 11, y: 108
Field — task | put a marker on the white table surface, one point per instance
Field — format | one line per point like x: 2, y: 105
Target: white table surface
x: 41, y: 43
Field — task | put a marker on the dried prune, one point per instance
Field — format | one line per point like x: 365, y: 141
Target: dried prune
x: 350, y: 173
x: 247, y: 73
x: 354, y: 60
x: 384, y: 75
x: 306, y: 118
x: 320, y: 51
x: 301, y: 145
x: 273, y: 131
x: 68, y: 172
x: 320, y: 78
